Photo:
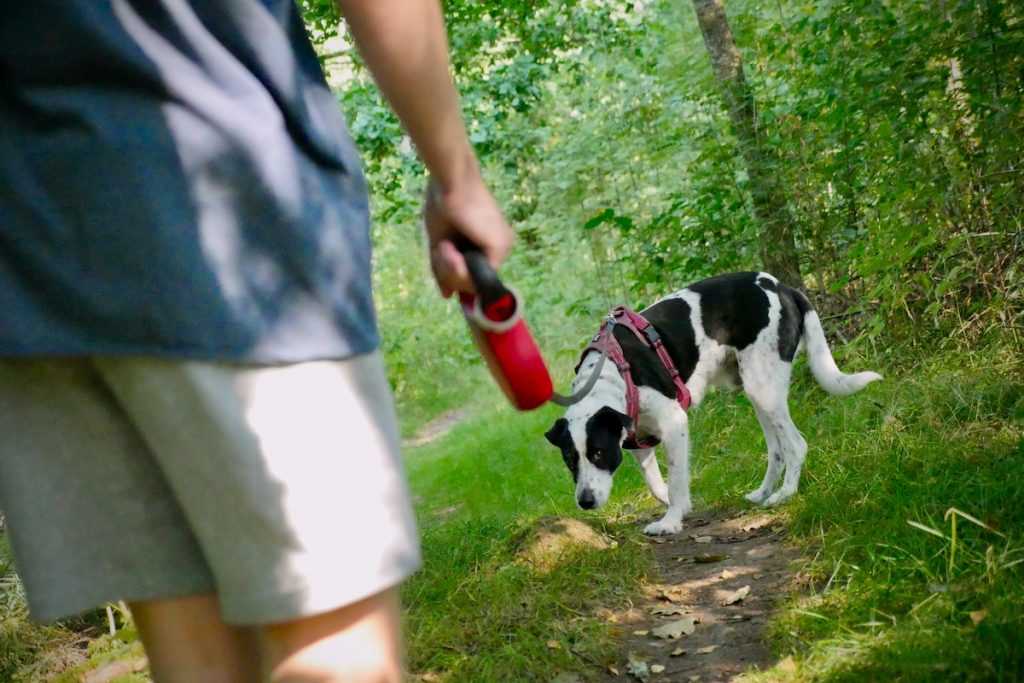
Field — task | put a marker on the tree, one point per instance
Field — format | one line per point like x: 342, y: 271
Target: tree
x: 777, y: 242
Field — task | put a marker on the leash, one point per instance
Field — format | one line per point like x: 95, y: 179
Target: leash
x: 576, y: 397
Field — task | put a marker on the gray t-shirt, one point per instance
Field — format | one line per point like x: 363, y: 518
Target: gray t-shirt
x: 176, y: 180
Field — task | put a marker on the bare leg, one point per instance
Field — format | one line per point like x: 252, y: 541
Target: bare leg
x: 359, y: 643
x: 186, y: 641
x: 652, y: 473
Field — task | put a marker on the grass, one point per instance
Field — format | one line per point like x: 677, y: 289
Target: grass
x: 478, y: 611
x: 888, y: 591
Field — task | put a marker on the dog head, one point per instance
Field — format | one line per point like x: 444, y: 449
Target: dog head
x: 591, y: 445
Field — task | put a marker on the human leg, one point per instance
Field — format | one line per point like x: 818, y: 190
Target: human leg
x: 186, y: 641
x: 358, y: 643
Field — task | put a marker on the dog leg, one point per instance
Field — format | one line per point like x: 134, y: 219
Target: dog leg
x: 652, y: 473
x: 766, y: 383
x: 676, y: 436
x: 795, y: 452
x: 775, y: 460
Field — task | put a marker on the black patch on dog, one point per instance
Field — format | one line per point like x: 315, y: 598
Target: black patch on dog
x: 791, y: 321
x: 560, y: 438
x: 604, y: 438
x: 765, y: 283
x: 734, y: 309
x: 671, y: 319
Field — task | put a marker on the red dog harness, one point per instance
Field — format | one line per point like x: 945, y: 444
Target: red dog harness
x: 605, y: 342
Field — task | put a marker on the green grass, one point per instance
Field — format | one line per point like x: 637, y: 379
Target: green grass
x: 888, y: 600
x: 477, y: 611
x: 879, y: 598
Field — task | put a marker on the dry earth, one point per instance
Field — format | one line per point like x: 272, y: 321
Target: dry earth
x: 719, y: 581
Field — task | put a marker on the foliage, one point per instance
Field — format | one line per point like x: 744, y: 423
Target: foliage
x: 894, y: 128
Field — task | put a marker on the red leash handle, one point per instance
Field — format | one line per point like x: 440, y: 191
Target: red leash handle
x: 495, y: 318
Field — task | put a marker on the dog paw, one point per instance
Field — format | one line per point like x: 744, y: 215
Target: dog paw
x: 756, y: 496
x: 663, y: 528
x: 779, y: 497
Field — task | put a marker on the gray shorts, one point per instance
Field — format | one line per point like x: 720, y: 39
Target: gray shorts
x: 279, y: 488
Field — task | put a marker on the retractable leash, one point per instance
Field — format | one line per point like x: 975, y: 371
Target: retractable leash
x: 495, y: 318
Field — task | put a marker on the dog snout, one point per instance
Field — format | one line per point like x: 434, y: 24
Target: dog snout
x: 587, y: 500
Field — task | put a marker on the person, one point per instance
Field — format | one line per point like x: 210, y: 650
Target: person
x: 195, y: 416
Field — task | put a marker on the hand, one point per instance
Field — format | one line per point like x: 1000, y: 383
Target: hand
x: 466, y: 209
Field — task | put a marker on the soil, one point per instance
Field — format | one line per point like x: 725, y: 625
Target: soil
x: 436, y: 428
x: 700, y: 570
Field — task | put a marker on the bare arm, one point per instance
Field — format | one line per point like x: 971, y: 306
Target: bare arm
x: 405, y: 46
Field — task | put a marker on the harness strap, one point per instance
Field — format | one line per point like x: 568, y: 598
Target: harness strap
x: 605, y: 342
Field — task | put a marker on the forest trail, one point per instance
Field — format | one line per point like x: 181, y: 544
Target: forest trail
x: 436, y: 428
x: 716, y: 585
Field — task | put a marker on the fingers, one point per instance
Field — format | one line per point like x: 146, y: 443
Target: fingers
x: 471, y: 212
x: 449, y: 269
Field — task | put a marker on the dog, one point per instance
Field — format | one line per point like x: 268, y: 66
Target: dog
x: 740, y: 330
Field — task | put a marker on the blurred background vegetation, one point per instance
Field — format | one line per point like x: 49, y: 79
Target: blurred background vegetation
x: 873, y: 148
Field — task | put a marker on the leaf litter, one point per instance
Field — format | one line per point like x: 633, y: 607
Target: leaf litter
x: 675, y: 629
x: 722, y: 627
x: 736, y: 596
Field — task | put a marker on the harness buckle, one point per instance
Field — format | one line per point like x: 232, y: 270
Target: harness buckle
x: 653, y: 338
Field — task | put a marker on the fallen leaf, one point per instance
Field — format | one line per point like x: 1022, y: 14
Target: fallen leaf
x: 707, y: 650
x: 737, y: 617
x: 678, y: 652
x: 728, y: 574
x: 757, y: 523
x: 702, y: 539
x: 787, y: 665
x: 613, y: 671
x: 761, y: 553
x: 669, y: 611
x: 554, y: 645
x: 675, y: 629
x: 641, y: 632
x: 979, y: 616
x: 637, y: 667
x: 430, y: 677
x: 674, y: 594
x: 708, y: 558
x: 657, y: 668
x: 694, y: 678
x: 736, y: 596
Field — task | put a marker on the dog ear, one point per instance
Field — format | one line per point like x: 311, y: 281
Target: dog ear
x: 611, y: 416
x: 558, y: 435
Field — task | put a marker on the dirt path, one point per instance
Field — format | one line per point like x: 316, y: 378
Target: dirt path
x: 436, y: 428
x: 719, y: 581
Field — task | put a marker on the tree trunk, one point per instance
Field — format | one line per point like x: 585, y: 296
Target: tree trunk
x: 778, y: 246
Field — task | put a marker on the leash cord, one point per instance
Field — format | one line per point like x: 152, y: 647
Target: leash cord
x: 576, y: 397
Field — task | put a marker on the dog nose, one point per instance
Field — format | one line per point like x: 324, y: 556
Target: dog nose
x: 586, y: 500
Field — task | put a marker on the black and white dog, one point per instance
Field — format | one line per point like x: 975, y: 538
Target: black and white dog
x: 736, y: 330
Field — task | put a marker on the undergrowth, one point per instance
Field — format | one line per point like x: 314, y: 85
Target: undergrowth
x: 889, y: 589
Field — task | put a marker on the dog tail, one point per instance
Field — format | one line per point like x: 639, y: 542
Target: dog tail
x: 823, y: 366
